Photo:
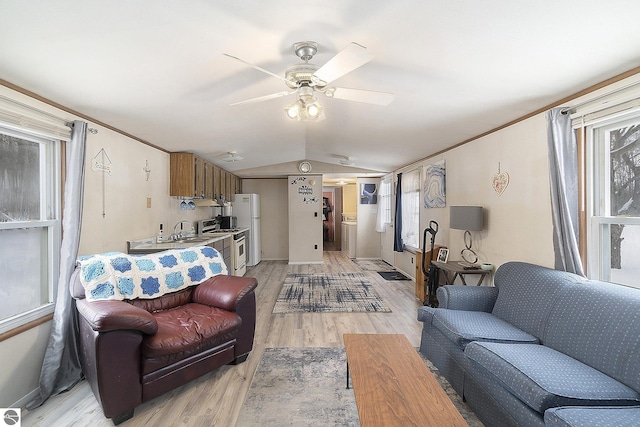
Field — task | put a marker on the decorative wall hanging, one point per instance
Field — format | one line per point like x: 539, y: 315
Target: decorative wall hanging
x: 102, y: 163
x: 147, y: 169
x: 499, y: 181
x: 305, y: 190
x: 435, y: 194
x: 369, y: 194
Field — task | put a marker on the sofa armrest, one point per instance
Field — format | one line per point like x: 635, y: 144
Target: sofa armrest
x: 224, y: 291
x: 469, y: 298
x: 105, y: 316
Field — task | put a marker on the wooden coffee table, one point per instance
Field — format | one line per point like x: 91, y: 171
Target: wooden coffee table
x: 393, y: 386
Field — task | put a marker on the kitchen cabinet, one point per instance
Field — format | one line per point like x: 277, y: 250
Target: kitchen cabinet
x: 193, y: 176
x: 224, y: 247
x: 217, y: 189
x: 209, y: 183
x: 228, y: 178
x: 186, y: 175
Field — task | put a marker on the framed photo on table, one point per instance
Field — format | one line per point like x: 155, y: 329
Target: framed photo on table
x: 443, y: 255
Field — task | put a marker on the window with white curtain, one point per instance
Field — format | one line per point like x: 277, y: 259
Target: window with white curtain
x: 384, y: 204
x: 29, y: 226
x: 613, y: 169
x: 411, y: 209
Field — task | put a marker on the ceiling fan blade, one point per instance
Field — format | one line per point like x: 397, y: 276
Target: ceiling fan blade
x: 256, y: 67
x: 366, y: 96
x: 347, y: 60
x: 265, y: 97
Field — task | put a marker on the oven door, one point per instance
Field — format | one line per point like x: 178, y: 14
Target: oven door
x: 239, y: 257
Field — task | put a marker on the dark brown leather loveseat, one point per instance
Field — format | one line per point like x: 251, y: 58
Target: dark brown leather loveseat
x: 135, y: 350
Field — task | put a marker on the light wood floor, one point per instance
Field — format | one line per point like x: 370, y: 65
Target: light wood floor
x: 217, y: 398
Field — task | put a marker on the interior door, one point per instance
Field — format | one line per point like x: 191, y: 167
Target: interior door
x: 387, y: 202
x: 387, y: 245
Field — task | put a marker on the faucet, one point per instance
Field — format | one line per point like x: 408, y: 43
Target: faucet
x: 180, y: 235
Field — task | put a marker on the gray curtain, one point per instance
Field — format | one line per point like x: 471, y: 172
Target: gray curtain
x: 563, y: 172
x: 61, y: 366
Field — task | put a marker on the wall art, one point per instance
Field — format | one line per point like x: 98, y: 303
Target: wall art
x: 499, y: 181
x: 435, y: 195
x: 369, y: 194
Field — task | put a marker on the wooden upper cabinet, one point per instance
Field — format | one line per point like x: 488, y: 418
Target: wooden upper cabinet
x: 223, y: 183
x: 182, y: 178
x: 193, y: 176
x: 228, y: 192
x: 199, y: 168
x: 217, y: 189
x: 208, y: 180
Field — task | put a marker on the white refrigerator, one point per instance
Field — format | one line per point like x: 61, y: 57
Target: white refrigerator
x: 246, y: 207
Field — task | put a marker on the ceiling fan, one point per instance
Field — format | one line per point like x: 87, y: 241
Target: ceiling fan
x: 306, y: 80
x: 232, y: 156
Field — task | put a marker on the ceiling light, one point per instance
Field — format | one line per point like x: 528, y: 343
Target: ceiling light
x: 293, y: 110
x: 305, y: 109
x: 313, y: 110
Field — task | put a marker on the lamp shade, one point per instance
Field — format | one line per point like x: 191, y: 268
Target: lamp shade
x: 466, y: 218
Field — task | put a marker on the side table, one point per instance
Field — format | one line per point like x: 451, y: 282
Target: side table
x: 452, y: 270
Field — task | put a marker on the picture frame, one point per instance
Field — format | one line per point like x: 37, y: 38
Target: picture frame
x: 369, y: 194
x: 443, y: 255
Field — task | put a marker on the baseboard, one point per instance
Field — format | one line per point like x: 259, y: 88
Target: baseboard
x: 22, y: 403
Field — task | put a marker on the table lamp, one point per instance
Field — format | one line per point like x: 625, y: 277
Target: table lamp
x: 468, y: 218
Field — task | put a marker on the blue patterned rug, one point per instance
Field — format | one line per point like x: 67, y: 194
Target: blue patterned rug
x: 373, y: 265
x: 307, y: 387
x: 324, y: 293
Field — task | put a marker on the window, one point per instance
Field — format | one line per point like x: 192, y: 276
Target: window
x: 384, y: 207
x: 613, y: 159
x: 29, y: 226
x: 411, y: 208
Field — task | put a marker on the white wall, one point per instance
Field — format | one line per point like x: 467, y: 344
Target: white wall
x: 305, y: 219
x: 349, y: 198
x: 274, y: 215
x: 517, y: 223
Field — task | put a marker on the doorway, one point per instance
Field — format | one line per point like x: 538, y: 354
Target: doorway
x: 331, y: 218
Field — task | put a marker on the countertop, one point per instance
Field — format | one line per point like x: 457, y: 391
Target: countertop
x: 145, y: 246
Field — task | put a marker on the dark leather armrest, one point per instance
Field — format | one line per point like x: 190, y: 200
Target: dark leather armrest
x: 223, y: 291
x: 105, y: 316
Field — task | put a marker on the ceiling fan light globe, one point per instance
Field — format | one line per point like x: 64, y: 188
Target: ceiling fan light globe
x: 313, y: 110
x: 293, y: 111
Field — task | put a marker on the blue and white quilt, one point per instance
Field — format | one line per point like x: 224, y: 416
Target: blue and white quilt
x: 119, y: 276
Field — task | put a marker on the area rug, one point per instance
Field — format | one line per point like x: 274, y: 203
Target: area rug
x: 323, y: 293
x: 393, y: 275
x: 307, y: 387
x: 373, y: 265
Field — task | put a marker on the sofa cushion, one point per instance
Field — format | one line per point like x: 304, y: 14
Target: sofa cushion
x: 543, y: 378
x: 527, y: 293
x: 598, y: 416
x: 598, y: 323
x: 463, y: 327
x: 187, y: 330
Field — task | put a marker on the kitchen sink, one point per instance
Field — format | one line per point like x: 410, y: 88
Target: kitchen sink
x: 192, y: 240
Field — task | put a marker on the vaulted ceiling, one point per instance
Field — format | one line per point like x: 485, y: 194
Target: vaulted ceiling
x: 457, y: 68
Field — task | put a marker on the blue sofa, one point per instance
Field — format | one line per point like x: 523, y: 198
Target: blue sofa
x: 541, y: 347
